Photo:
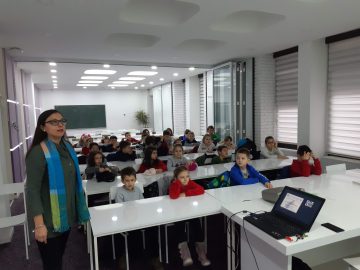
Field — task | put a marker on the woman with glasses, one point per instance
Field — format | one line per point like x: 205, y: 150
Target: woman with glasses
x: 54, y: 195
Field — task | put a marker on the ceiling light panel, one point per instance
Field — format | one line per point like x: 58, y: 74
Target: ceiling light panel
x: 94, y: 77
x: 93, y: 82
x: 142, y: 73
x: 118, y: 85
x: 132, y: 78
x: 123, y: 82
x: 99, y: 72
x: 86, y: 84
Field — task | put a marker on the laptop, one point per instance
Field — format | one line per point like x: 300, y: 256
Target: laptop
x: 293, y: 214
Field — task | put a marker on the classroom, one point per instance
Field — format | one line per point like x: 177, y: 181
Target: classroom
x: 180, y: 134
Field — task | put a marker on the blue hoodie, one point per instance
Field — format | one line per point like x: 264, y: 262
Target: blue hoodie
x: 237, y: 177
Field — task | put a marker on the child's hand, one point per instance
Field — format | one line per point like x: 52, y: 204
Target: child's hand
x: 313, y: 155
x: 268, y: 185
x: 102, y: 169
x: 159, y: 170
x: 182, y: 195
x: 306, y: 156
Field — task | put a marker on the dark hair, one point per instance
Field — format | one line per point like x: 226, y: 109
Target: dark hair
x: 123, y: 144
x: 210, y: 127
x: 39, y: 134
x: 187, y: 131
x: 302, y: 149
x: 145, y: 131
x: 179, y: 170
x: 147, y: 157
x: 151, y: 140
x: 268, y: 138
x: 178, y: 146
x: 127, y: 171
x: 166, y: 132
x: 94, y: 143
x: 127, y: 133
x: 91, y: 158
x: 221, y: 147
x: 227, y: 138
x: 243, y: 151
x: 113, y: 137
x: 171, y: 132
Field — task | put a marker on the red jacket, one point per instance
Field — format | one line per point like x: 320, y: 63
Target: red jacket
x: 303, y: 168
x: 159, y: 165
x: 191, y: 189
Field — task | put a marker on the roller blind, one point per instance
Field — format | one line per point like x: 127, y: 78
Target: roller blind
x: 202, y: 106
x: 179, y: 107
x: 286, y: 88
x: 344, y: 97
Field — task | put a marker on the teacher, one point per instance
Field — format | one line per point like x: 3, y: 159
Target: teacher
x: 54, y: 194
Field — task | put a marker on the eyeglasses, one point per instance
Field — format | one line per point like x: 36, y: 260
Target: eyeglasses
x: 57, y: 122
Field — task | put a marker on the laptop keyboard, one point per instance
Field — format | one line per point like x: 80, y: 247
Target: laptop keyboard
x: 274, y: 226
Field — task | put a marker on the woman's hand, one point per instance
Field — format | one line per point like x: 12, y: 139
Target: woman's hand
x: 41, y: 233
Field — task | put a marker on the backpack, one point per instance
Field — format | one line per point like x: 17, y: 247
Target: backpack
x: 105, y: 176
x: 223, y: 180
x: 251, y: 146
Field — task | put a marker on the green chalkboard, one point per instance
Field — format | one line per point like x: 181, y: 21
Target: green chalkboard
x: 83, y: 116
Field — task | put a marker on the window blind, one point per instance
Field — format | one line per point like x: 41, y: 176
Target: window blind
x: 286, y: 88
x: 344, y: 97
x: 202, y: 106
x: 179, y: 112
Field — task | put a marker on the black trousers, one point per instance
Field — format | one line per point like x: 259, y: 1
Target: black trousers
x: 52, y: 252
x: 195, y: 230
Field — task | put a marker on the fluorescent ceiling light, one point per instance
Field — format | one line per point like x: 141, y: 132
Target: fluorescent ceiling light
x: 154, y: 67
x: 54, y: 81
x: 176, y: 74
x: 191, y: 68
x: 84, y: 87
x: 136, y: 87
x: 142, y: 73
x: 123, y: 82
x: 86, y: 84
x: 143, y: 85
x: 53, y: 64
x: 132, y: 78
x: 53, y: 70
x: 54, y: 77
x: 95, y: 82
x: 161, y: 79
x: 55, y: 87
x: 118, y: 85
x: 99, y: 72
x: 94, y: 77
x: 106, y: 65
x: 112, y: 87
x: 151, y: 82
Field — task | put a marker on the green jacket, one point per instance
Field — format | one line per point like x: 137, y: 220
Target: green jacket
x: 37, y: 191
x: 217, y: 160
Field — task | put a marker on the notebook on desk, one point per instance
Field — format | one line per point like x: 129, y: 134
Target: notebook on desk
x: 293, y: 214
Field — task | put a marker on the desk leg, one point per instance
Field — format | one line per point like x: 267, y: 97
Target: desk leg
x: 159, y: 241
x: 231, y: 245
x: 88, y: 235
x: 127, y: 251
x: 205, y: 234
x: 266, y: 256
x: 96, y: 254
x: 90, y: 246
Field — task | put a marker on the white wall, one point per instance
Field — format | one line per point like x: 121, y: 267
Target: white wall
x: 120, y: 105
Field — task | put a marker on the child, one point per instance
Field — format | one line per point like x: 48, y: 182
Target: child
x: 105, y: 140
x: 130, y: 139
x: 270, y: 150
x: 223, y: 155
x: 178, y: 160
x: 144, y: 134
x: 112, y: 147
x: 182, y: 186
x: 302, y: 166
x: 94, y: 147
x: 190, y: 140
x: 228, y: 142
x: 125, y: 153
x: 206, y: 145
x: 128, y: 192
x: 86, y: 145
x: 243, y: 173
x: 184, y: 137
x: 151, y: 161
x: 96, y: 163
x: 165, y: 143
x: 215, y: 137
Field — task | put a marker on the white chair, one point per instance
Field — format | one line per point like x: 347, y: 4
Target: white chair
x: 353, y: 263
x: 6, y: 222
x: 336, y: 169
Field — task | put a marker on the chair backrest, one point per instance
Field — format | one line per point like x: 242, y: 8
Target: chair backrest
x: 8, y: 189
x: 112, y: 193
x: 336, y: 169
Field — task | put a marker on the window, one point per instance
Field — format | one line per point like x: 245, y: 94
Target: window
x: 286, y: 88
x: 344, y: 98
x: 179, y: 106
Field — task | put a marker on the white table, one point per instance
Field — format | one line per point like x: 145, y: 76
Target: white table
x: 341, y: 196
x: 134, y: 215
x: 354, y: 263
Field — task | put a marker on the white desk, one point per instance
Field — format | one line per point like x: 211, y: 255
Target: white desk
x: 341, y: 196
x: 124, y: 217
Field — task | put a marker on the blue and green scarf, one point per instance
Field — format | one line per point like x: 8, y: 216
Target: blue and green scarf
x: 57, y: 187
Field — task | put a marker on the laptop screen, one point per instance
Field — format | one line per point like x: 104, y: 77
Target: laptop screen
x: 298, y: 207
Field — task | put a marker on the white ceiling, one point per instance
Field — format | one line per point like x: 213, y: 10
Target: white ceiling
x: 196, y: 32
x: 69, y: 74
